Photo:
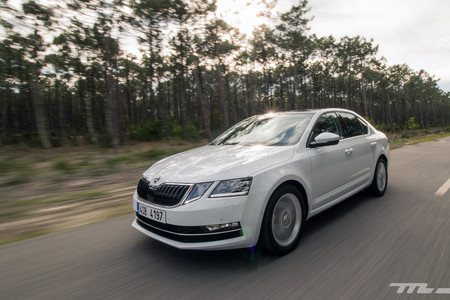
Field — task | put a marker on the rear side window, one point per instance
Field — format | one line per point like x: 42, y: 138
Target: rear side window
x: 353, y: 126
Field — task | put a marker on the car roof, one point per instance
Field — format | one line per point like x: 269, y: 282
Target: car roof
x: 313, y: 111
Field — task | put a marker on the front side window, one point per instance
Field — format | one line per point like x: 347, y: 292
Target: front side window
x: 270, y: 129
x: 327, y: 123
x: 353, y: 125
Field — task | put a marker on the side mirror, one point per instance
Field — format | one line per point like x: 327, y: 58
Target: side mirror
x: 325, y: 139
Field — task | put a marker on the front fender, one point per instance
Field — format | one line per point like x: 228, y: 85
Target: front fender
x: 265, y: 183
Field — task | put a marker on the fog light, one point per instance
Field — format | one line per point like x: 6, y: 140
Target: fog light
x: 226, y: 226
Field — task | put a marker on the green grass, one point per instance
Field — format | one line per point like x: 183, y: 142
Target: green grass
x: 25, y: 237
x: 11, y: 214
x: 17, y: 180
x: 64, y: 165
x: 81, y: 196
x: 11, y: 163
x: 118, y: 159
x: 7, y: 164
x: 20, y: 175
x: 84, y: 163
x: 153, y: 154
x: 103, y: 167
x: 407, y: 139
x: 85, y: 195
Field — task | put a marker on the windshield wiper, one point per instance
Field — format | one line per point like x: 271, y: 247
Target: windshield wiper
x: 228, y: 144
x: 223, y: 143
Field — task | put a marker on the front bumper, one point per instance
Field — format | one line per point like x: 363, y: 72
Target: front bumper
x: 188, y: 234
x: 186, y: 225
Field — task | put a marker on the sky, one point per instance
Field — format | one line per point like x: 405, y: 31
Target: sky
x: 412, y: 32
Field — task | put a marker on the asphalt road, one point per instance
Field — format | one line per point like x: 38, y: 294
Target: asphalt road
x: 352, y: 251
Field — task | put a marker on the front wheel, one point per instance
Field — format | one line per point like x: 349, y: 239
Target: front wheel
x: 283, y: 221
x: 380, y: 179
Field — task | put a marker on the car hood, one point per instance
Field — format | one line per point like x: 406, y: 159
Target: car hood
x: 211, y: 163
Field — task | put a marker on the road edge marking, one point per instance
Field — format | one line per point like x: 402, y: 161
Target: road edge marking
x: 443, y: 189
x: 442, y: 291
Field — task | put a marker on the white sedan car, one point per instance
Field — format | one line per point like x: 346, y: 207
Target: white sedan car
x: 259, y: 182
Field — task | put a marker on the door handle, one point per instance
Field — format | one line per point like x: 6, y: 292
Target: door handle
x: 373, y: 144
x: 348, y: 151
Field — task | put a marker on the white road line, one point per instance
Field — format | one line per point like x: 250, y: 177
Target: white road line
x: 442, y: 290
x: 443, y: 189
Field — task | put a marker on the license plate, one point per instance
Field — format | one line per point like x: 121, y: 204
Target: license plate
x: 151, y: 213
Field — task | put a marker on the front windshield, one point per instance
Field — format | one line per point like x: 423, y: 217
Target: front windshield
x: 270, y: 129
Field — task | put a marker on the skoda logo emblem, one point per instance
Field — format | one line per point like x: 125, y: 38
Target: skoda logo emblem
x: 156, y: 179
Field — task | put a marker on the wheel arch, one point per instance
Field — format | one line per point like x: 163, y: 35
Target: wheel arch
x: 383, y: 157
x: 300, y: 188
x: 263, y: 239
x: 373, y: 187
x: 268, y: 182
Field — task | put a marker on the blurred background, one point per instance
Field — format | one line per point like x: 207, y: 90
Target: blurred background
x: 93, y: 92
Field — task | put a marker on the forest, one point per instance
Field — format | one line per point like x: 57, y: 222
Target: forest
x: 67, y: 75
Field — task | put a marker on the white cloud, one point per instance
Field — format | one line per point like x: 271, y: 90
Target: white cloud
x: 414, y: 32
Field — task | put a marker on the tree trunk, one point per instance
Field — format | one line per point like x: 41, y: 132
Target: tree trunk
x: 234, y: 105
x: 222, y: 98
x: 252, y: 98
x: 88, y: 98
x: 294, y: 104
x: 89, y: 120
x: 182, y: 104
x: 112, y: 111
x: 349, y: 97
x: 363, y: 86
x: 41, y: 120
x: 165, y: 106
x: 204, y: 109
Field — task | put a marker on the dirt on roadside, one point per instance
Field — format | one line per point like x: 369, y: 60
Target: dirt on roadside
x: 48, y: 190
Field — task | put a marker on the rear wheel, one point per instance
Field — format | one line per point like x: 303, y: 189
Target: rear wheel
x: 283, y: 221
x: 380, y: 179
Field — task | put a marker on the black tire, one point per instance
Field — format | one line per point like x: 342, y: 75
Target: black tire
x: 380, y: 178
x: 283, y: 221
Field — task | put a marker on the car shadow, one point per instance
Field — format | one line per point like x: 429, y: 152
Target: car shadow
x: 232, y: 260
x: 337, y: 213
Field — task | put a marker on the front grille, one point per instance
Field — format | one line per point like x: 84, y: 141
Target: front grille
x: 165, y: 194
x: 142, y: 188
x: 186, y: 234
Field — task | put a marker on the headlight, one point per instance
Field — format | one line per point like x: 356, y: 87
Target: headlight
x: 232, y: 187
x: 197, y: 192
